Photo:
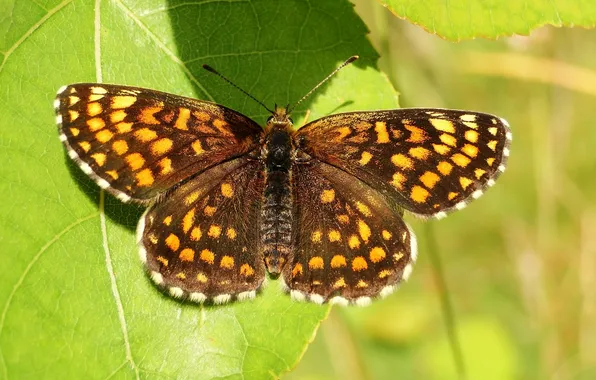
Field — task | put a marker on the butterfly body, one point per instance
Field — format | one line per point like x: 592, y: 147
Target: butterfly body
x: 277, y: 211
x: 321, y: 207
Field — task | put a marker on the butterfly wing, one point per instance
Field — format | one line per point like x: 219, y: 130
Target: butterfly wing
x: 201, y: 241
x: 349, y: 243
x: 430, y: 161
x: 137, y: 143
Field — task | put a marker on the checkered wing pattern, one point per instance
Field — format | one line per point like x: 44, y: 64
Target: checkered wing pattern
x: 429, y: 161
x: 137, y: 143
x: 350, y: 244
x: 201, y: 240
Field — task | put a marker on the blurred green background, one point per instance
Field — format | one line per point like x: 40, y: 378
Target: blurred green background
x: 520, y: 263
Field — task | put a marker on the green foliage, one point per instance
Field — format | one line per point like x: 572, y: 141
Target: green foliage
x: 74, y: 300
x: 465, y: 19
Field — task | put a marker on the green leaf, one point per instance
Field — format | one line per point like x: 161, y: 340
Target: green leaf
x: 466, y: 19
x: 74, y: 299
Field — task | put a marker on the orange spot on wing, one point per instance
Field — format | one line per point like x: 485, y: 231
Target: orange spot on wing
x: 384, y: 273
x: 227, y: 262
x: 444, y: 167
x: 363, y: 230
x: 419, y: 194
x: 339, y: 283
x: 201, y: 115
x: 460, y: 160
x: 419, y: 153
x: 364, y: 210
x: 401, y: 161
x: 135, y: 161
x: 209, y: 210
x: 429, y: 179
x: 117, y: 116
x: 342, y: 133
x: 382, y: 135
x: 187, y: 254
x: 334, y: 236
x: 479, y: 173
x: 231, y: 233
x: 398, y: 180
x: 100, y: 158
x: 327, y: 196
x: 338, y: 261
x: 441, y: 149
x: 354, y: 242
x: 417, y: 135
x: 166, y: 166
x: 359, y: 263
x: 195, y: 234
x: 443, y: 125
x: 173, y: 242
x: 95, y: 124
x: 123, y: 127
x: 147, y: 115
x: 103, y: 136
x: 182, y: 120
x: 343, y: 219
x: 227, y: 190
x: 197, y: 147
x: 377, y: 254
x: 465, y: 182
x: 297, y: 270
x: 471, y: 135
x: 145, y: 178
x: 123, y: 101
x: 246, y: 270
x: 316, y: 263
x: 161, y: 146
x: 145, y: 135
x: 365, y: 158
x: 448, y: 139
x: 162, y: 260
x: 202, y: 278
x: 315, y: 237
x: 207, y: 256
x: 214, y: 231
x: 188, y: 220
x: 94, y: 109
x: 191, y: 198
x: 120, y: 147
x: 470, y: 150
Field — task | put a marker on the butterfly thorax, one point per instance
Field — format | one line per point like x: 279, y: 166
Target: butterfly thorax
x: 276, y: 213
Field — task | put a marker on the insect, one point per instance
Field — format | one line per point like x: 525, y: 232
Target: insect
x: 320, y: 207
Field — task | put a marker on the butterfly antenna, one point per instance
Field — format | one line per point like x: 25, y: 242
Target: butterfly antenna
x: 212, y: 70
x: 347, y: 62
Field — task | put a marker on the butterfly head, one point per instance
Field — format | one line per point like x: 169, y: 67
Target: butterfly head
x: 279, y: 119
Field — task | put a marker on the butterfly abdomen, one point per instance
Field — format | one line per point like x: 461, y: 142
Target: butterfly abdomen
x: 276, y: 213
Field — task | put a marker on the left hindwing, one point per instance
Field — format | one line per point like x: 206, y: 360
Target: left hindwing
x: 430, y: 161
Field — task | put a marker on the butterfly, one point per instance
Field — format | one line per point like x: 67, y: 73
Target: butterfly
x: 320, y: 207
